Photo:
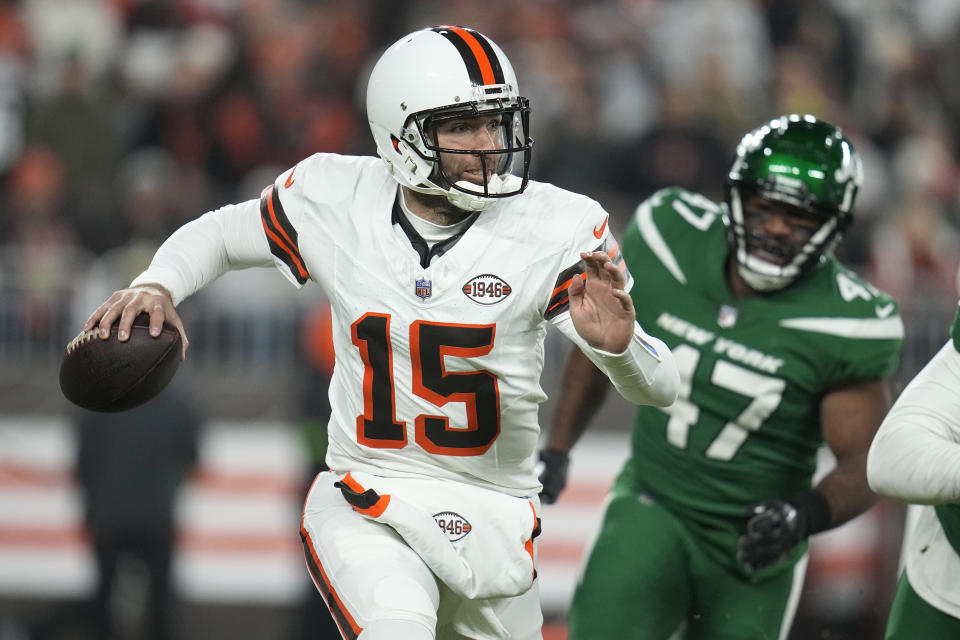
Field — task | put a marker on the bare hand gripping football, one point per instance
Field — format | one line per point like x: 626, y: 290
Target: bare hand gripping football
x: 109, y: 375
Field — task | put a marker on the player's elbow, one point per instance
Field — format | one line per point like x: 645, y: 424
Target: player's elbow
x: 884, y: 474
x: 882, y: 483
x: 874, y: 473
x: 878, y: 473
x: 666, y: 385
x: 668, y: 389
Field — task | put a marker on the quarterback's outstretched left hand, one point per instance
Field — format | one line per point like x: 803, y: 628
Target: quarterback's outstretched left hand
x: 601, y: 310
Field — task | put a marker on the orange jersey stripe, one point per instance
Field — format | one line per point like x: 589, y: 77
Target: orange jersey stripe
x: 280, y: 243
x: 566, y: 285
x: 289, y: 247
x: 326, y: 588
x: 561, y: 302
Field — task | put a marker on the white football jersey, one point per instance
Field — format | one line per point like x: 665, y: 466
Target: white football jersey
x: 438, y: 358
x: 914, y: 458
x: 931, y: 562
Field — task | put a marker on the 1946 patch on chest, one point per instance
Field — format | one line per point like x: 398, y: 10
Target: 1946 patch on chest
x: 487, y: 289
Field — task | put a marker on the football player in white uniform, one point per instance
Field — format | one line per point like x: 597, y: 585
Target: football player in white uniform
x: 915, y: 458
x: 443, y: 264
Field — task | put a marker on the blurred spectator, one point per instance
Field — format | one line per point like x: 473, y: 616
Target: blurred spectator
x: 149, y: 193
x: 37, y: 247
x: 76, y: 125
x: 130, y: 466
x: 71, y: 110
x: 622, y: 79
x: 567, y: 80
x: 77, y: 122
x: 84, y: 34
x: 681, y: 149
x: 690, y: 39
x: 916, y: 247
x: 36, y: 195
x: 816, y: 27
x: 15, y: 45
x: 798, y: 86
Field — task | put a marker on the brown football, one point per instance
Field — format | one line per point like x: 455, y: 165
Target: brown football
x: 109, y: 375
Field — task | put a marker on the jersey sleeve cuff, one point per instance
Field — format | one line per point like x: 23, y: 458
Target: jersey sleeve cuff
x: 166, y: 277
x: 644, y: 373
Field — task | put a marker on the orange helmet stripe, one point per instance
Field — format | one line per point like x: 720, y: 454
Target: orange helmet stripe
x: 486, y: 70
x: 478, y: 55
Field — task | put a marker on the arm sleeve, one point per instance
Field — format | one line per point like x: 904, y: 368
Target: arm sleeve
x: 643, y: 374
x: 915, y: 455
x: 202, y: 250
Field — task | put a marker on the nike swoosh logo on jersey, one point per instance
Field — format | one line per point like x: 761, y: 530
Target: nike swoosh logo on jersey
x: 289, y: 182
x: 885, y: 310
x: 599, y: 232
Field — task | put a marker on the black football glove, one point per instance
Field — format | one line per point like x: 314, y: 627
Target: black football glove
x: 553, y: 474
x: 776, y: 526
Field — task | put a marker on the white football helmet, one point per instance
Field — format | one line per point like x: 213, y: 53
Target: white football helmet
x: 442, y: 73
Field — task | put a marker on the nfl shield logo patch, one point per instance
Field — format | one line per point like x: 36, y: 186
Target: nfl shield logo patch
x: 423, y: 288
x: 727, y: 316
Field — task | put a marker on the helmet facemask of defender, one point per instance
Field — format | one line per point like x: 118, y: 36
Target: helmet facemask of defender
x: 807, y: 173
x: 441, y: 84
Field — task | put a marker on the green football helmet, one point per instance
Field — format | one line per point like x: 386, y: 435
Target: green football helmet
x: 805, y: 165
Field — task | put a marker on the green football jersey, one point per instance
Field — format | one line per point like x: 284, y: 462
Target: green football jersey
x: 746, y: 426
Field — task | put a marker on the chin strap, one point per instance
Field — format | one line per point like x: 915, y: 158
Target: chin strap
x: 475, y: 201
x: 760, y: 281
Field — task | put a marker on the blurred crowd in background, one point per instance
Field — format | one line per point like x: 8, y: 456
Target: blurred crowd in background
x: 122, y: 119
